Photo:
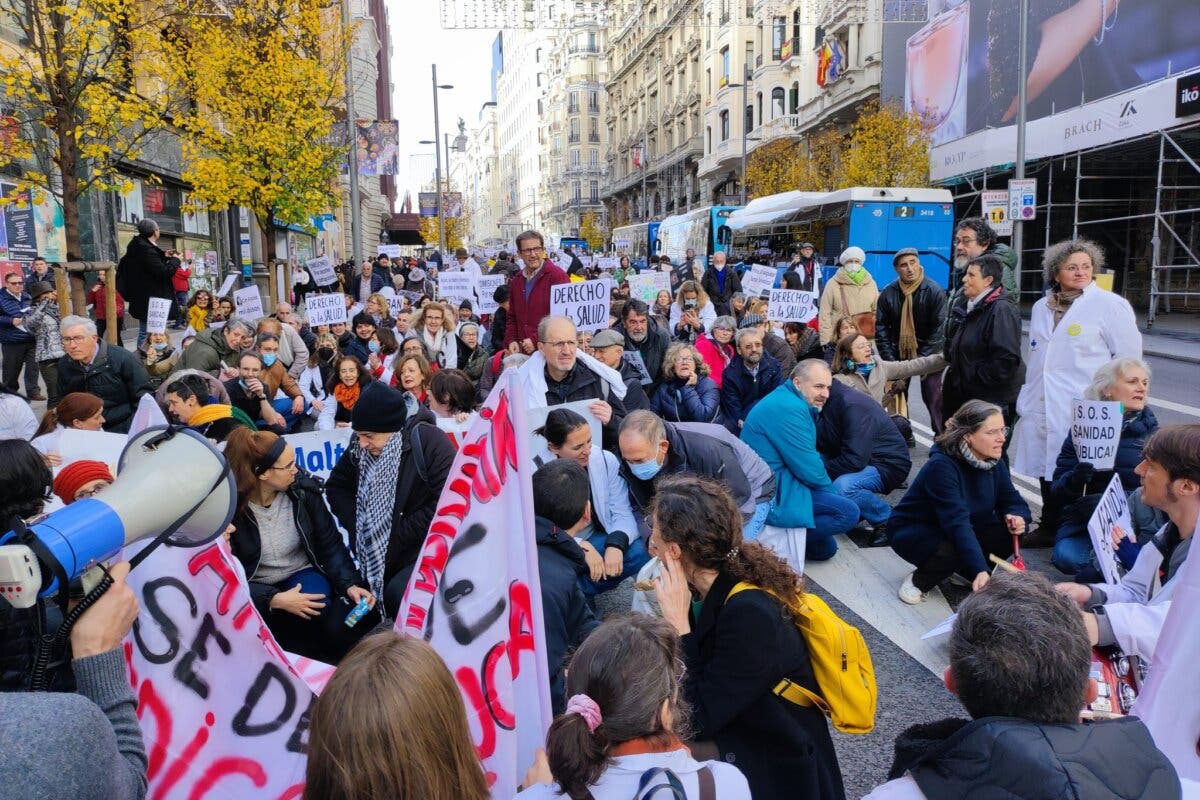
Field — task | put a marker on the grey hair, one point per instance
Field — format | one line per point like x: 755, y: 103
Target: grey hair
x: 544, y: 325
x: 75, y: 321
x: 725, y: 321
x: 1108, y: 375
x: 473, y: 325
x: 147, y: 227
x: 968, y: 419
x: 1057, y: 254
x: 1018, y: 648
x: 240, y: 324
x: 801, y: 370
x: 646, y: 424
x: 744, y: 332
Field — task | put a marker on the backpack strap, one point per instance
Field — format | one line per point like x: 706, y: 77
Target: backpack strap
x: 786, y: 688
x: 414, y: 443
x: 708, y: 786
x: 672, y: 784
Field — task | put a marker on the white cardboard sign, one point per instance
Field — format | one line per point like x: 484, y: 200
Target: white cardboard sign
x: 646, y: 285
x: 585, y: 303
x: 227, y: 284
x: 248, y: 303
x: 487, y: 285
x: 758, y: 280
x: 158, y: 309
x: 791, y: 305
x: 1113, y: 509
x: 321, y: 270
x: 1096, y: 431
x: 325, y: 309
x: 456, y: 285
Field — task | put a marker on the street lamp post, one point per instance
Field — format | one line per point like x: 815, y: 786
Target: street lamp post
x: 437, y: 175
x: 745, y: 84
x: 1018, y: 236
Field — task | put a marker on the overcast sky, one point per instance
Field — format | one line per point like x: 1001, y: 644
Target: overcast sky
x: 463, y: 58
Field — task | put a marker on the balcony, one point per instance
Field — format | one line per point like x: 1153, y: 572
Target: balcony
x: 573, y: 138
x: 585, y: 49
x: 594, y: 138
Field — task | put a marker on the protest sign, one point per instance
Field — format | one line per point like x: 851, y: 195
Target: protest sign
x: 76, y: 444
x: 321, y: 270
x: 634, y: 358
x: 395, y: 304
x: 584, y: 303
x: 456, y: 286
x: 223, y: 712
x: 226, y: 285
x: 158, y: 310
x: 491, y: 636
x: 608, y: 263
x: 1113, y: 509
x: 1168, y: 702
x: 943, y: 628
x: 791, y: 305
x: 758, y: 280
x: 539, y: 448
x: 325, y: 309
x: 1096, y: 431
x: 487, y: 286
x: 148, y: 412
x: 248, y: 303
x: 317, y: 452
x: 646, y: 285
x: 413, y: 297
x: 389, y: 250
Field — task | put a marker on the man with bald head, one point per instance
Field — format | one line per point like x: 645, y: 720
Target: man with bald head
x: 569, y: 379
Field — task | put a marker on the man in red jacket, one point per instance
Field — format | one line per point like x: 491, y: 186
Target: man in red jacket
x: 529, y: 300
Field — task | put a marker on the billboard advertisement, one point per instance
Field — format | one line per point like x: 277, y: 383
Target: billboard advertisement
x: 961, y: 68
x: 377, y: 143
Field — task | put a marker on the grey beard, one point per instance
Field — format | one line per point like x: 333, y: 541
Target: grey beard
x: 960, y: 262
x: 638, y: 339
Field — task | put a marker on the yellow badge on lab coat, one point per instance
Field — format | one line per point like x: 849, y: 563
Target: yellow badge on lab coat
x: 1074, y: 329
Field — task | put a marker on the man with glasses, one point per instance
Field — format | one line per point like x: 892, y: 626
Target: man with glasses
x: 973, y: 237
x: 569, y: 378
x: 216, y: 350
x: 17, y: 343
x: 113, y: 374
x: 529, y: 301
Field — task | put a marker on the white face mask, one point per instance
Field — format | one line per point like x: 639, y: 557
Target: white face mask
x: 852, y: 267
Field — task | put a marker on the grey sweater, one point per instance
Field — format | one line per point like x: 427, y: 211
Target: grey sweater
x: 85, y: 746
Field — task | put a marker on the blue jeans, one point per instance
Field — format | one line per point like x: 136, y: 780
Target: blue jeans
x: 1072, y: 553
x: 324, y: 637
x: 635, y: 558
x: 832, y: 514
x: 283, y: 407
x: 754, y: 527
x: 142, y: 333
x: 863, y: 489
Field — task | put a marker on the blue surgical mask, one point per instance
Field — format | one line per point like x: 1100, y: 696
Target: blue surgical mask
x: 242, y: 384
x: 268, y: 359
x: 645, y: 470
x: 161, y: 345
x: 373, y: 346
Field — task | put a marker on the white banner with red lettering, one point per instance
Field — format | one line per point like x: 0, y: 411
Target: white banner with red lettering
x: 224, y: 713
x: 475, y: 594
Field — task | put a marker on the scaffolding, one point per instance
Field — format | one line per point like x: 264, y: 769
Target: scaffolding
x: 1138, y: 198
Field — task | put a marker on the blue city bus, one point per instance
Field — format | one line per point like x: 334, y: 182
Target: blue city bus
x: 581, y: 245
x: 703, y: 230
x: 639, y: 242
x: 879, y: 220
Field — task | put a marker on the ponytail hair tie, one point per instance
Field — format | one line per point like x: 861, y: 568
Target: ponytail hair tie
x: 585, y: 707
x: 732, y: 554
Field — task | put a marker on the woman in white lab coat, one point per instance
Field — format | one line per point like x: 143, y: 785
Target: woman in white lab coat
x: 1073, y: 331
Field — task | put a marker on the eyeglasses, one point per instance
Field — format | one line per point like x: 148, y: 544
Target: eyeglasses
x: 74, y: 339
x: 285, y: 468
x: 566, y: 344
x: 964, y: 240
x: 998, y: 432
x: 532, y: 250
x: 17, y: 282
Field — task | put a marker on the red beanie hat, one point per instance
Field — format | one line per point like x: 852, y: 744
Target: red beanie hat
x: 73, y: 476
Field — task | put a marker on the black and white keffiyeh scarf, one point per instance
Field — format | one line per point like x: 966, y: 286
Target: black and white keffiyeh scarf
x: 375, y: 499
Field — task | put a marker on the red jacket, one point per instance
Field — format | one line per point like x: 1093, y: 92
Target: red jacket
x: 180, y: 279
x: 524, y: 315
x: 96, y: 298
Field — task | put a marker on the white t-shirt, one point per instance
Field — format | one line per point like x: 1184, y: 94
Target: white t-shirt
x: 620, y: 781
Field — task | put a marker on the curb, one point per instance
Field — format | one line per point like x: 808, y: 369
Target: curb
x: 1171, y: 356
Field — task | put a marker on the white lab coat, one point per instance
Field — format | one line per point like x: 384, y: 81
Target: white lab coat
x: 1098, y: 327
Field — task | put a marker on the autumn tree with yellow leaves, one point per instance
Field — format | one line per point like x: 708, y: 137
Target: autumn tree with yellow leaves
x: 84, y: 90
x: 457, y: 228
x: 265, y: 80
x: 591, y: 231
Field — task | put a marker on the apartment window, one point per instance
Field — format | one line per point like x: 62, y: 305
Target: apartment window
x: 593, y: 157
x: 778, y: 36
x: 539, y: 106
x: 593, y: 101
x: 748, y: 64
x: 594, y: 191
x: 576, y: 193
x: 724, y: 66
x: 794, y: 99
x: 538, y: 56
x: 573, y: 103
x: 748, y: 120
x: 796, y: 26
x: 539, y: 79
x: 724, y: 126
x: 708, y: 140
x: 574, y: 158
x: 777, y: 102
x: 708, y: 82
x: 575, y: 129
x: 760, y: 108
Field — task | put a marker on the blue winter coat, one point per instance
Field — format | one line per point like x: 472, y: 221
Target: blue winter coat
x: 675, y: 401
x: 949, y: 498
x: 782, y: 429
x: 740, y: 390
x: 10, y: 308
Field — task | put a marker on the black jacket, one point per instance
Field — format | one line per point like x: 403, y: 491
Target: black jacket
x: 115, y: 375
x: 808, y: 272
x: 635, y: 393
x: 653, y: 349
x: 318, y: 533
x: 696, y: 454
x: 583, y: 384
x: 416, y: 499
x: 854, y: 432
x: 929, y: 318
x: 566, y: 614
x: 984, y: 354
x: 741, y: 391
x: 720, y: 297
x: 1008, y: 757
x: 777, y: 348
x: 738, y: 650
x: 143, y: 272
x: 496, y: 331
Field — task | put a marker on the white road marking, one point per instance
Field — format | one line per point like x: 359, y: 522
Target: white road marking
x: 1191, y: 411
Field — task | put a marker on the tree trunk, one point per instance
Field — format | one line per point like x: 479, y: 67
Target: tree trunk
x: 267, y: 226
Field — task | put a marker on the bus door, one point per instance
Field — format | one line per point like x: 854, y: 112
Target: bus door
x: 929, y: 227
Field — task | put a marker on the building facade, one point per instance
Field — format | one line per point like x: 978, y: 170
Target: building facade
x: 481, y: 179
x: 520, y: 104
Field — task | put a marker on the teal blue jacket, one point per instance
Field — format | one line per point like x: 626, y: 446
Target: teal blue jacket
x: 782, y: 429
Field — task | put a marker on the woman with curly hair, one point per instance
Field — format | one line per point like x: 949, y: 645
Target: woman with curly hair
x: 782, y: 748
x: 687, y: 393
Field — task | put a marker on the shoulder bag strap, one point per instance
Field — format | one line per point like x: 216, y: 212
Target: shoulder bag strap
x: 708, y: 786
x: 845, y: 305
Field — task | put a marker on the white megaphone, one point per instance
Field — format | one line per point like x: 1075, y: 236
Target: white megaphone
x: 172, y: 485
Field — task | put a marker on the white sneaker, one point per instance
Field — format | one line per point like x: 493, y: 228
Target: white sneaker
x: 909, y: 593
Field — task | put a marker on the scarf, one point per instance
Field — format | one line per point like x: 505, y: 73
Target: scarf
x: 859, y: 276
x: 975, y: 461
x: 533, y: 374
x: 437, y: 346
x: 865, y: 369
x: 1060, y: 300
x: 347, y: 396
x: 374, y: 502
x: 908, y: 328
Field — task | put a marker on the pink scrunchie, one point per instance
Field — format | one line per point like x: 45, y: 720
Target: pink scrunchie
x: 585, y: 707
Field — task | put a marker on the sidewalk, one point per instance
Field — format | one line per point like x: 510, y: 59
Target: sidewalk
x: 1174, y: 336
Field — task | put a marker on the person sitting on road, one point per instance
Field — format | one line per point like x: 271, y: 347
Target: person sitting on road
x: 359, y: 344
x: 627, y: 715
x: 608, y: 347
x: 1078, y: 485
x: 216, y: 350
x: 562, y: 512
x: 249, y: 393
x: 856, y: 365
x: 751, y: 376
x: 782, y: 430
x: 687, y: 393
x: 345, y: 386
x: 774, y: 345
x: 301, y: 577
x: 647, y: 336
x: 81, y: 479
x: 1020, y: 663
x: 77, y: 411
x: 692, y: 314
x: 961, y: 506
x: 190, y: 400
x: 864, y: 454
x: 611, y: 543
x: 1130, y: 613
x: 716, y: 347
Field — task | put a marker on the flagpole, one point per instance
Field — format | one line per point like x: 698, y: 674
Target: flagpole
x: 645, y: 200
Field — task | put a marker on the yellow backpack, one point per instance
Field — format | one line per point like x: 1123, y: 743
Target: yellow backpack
x: 840, y: 661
